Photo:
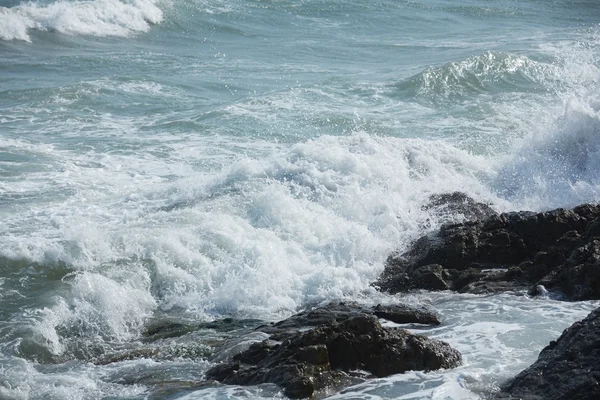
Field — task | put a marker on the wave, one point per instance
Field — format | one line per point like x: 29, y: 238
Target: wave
x: 265, y: 236
x: 259, y: 239
x: 560, y: 167
x: 294, y: 225
x: 557, y: 163
x: 487, y: 73
x: 95, y: 18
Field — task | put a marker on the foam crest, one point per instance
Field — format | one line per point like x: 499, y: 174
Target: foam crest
x: 323, y: 221
x: 94, y: 17
x: 558, y: 168
x: 487, y: 73
x: 113, y: 308
x: 97, y: 309
x: 260, y: 238
x: 22, y: 381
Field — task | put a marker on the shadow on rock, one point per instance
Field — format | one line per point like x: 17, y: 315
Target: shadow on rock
x: 319, y: 349
x: 569, y: 368
x: 557, y: 250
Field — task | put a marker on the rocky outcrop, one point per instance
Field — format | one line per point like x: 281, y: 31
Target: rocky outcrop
x: 558, y: 250
x: 337, y: 312
x: 567, y: 369
x: 458, y: 206
x: 317, y: 349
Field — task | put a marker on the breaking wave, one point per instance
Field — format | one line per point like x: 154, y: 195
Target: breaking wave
x: 95, y: 18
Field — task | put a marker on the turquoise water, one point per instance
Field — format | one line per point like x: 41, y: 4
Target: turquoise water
x: 196, y: 160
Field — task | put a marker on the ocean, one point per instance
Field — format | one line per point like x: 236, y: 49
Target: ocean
x: 190, y: 161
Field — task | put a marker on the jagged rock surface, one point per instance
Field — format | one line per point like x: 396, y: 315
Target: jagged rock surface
x: 340, y: 339
x: 338, y: 312
x: 459, y: 206
x: 569, y: 368
x: 558, y: 249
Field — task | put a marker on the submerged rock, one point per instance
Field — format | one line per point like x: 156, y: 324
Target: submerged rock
x: 341, y: 338
x: 558, y: 249
x: 164, y: 329
x: 568, y: 368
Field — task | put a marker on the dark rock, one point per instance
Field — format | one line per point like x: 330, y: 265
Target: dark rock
x: 568, y: 368
x: 163, y: 329
x: 402, y: 314
x: 579, y: 277
x: 344, y: 340
x: 487, y: 287
x: 256, y: 352
x: 430, y: 277
x: 513, y: 251
x: 459, y: 206
x: 341, y: 311
x: 166, y: 329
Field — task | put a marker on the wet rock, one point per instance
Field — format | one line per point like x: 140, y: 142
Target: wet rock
x: 579, y: 277
x: 568, y: 368
x: 134, y: 354
x: 559, y: 249
x: 458, y: 206
x: 336, y: 312
x: 164, y: 329
x: 340, y: 339
x: 403, y: 314
x: 431, y: 277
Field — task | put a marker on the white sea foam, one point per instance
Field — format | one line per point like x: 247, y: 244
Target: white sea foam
x: 21, y: 380
x: 93, y: 17
x: 259, y: 239
x: 557, y: 162
x: 560, y: 167
x: 497, y: 335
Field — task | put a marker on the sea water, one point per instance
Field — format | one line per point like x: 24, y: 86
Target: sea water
x: 171, y: 160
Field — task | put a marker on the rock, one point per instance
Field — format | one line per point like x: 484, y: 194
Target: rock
x: 430, y: 277
x: 164, y: 329
x: 403, y: 314
x: 127, y: 355
x: 579, y: 277
x: 558, y: 249
x: 458, y: 206
x: 337, y: 312
x: 568, y: 368
x: 341, y: 339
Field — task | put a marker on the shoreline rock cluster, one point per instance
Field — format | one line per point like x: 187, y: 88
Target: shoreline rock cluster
x: 321, y: 348
x: 556, y: 251
x: 559, y: 250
